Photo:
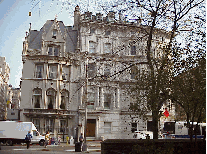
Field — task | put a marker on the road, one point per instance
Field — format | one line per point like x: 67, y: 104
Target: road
x: 51, y: 149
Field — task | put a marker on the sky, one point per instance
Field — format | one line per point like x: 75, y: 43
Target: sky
x: 14, y: 22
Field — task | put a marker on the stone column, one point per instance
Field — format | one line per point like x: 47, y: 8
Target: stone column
x: 97, y: 97
x: 57, y: 104
x: 56, y: 126
x: 101, y: 98
x: 81, y: 97
x: 114, y: 99
x: 117, y: 98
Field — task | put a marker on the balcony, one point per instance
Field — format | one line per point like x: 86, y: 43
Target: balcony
x: 49, y: 113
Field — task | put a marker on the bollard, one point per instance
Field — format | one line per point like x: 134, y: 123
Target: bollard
x: 67, y: 139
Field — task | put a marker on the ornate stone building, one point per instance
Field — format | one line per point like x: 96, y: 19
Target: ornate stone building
x: 64, y: 67
x: 4, y: 88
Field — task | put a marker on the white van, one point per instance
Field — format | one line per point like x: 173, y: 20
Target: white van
x: 12, y: 132
x: 143, y: 135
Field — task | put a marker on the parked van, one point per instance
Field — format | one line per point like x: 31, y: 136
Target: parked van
x: 12, y: 132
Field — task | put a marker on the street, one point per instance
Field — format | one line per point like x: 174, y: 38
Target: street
x: 36, y: 149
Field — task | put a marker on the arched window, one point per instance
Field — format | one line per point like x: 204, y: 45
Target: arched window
x: 51, y: 95
x: 37, y: 95
x: 64, y: 100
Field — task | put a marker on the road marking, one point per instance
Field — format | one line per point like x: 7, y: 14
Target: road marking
x: 28, y: 149
x: 88, y: 150
x: 70, y: 150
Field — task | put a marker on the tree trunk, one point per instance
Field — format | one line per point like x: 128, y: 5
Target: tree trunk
x: 155, y: 120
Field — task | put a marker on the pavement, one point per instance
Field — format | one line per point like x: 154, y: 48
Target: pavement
x: 94, y: 147
x: 95, y: 143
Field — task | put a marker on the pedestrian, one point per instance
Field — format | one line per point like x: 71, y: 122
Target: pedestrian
x: 81, y: 139
x: 28, y: 139
x: 47, y: 138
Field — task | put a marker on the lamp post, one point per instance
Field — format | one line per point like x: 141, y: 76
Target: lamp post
x: 85, y: 148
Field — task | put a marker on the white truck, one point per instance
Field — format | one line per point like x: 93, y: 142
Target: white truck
x: 179, y: 130
x: 12, y: 132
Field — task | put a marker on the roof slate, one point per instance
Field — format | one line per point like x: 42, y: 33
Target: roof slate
x: 35, y: 37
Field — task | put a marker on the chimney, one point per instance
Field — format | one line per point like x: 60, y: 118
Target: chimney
x: 111, y: 16
x: 76, y: 17
x: 99, y: 17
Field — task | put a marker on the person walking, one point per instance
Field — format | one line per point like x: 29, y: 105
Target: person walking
x: 28, y: 139
x: 47, y: 139
x: 81, y: 139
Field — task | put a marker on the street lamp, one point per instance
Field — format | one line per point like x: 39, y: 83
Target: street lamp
x: 85, y: 148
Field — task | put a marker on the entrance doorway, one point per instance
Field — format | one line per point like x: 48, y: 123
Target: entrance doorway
x: 91, y: 127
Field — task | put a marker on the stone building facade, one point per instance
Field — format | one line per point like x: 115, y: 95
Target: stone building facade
x: 65, y: 67
x: 4, y: 88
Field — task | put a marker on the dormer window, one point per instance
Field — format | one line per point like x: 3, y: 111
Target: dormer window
x: 54, y: 33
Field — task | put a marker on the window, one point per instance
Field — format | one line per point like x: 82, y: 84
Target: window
x: 52, y: 72
x: 134, y: 72
x: 54, y: 33
x: 91, y: 47
x: 49, y: 126
x: 39, y: 71
x: 107, y: 48
x: 36, y: 122
x: 92, y: 30
x: 107, y: 127
x: 51, y: 98
x: 64, y: 73
x: 134, y: 127
x: 37, y: 95
x: 91, y: 70
x: 90, y: 100
x: 64, y: 100
x: 107, y: 101
x: 133, y: 50
x: 62, y: 126
x: 53, y: 50
x: 107, y: 70
x: 107, y: 32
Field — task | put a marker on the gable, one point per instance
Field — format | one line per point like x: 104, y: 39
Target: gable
x: 55, y: 33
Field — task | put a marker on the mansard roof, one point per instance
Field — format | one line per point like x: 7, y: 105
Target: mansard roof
x: 35, y: 37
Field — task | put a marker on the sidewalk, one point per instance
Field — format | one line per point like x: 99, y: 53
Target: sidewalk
x: 89, y: 144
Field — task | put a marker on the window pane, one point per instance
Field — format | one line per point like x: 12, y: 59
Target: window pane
x: 134, y: 127
x: 107, y: 70
x: 107, y: 127
x: 37, y: 123
x: 50, y: 51
x: 91, y: 47
x: 56, y: 51
x: 133, y: 50
x: 39, y: 71
x: 91, y: 70
x: 53, y: 72
x: 55, y: 32
x: 107, y: 32
x: 107, y: 48
x: 107, y: 101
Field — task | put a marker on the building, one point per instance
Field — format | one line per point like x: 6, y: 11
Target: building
x: 64, y: 67
x: 47, y: 87
x: 4, y: 88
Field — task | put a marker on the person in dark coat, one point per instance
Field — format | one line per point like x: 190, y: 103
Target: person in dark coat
x: 28, y: 139
x: 81, y: 139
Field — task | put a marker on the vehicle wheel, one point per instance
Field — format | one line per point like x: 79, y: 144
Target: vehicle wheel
x: 9, y: 142
x: 41, y: 143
